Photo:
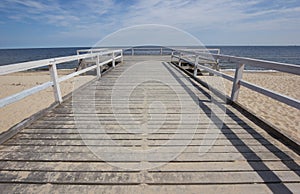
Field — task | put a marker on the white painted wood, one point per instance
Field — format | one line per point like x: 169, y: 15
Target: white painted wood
x: 236, y: 82
x: 122, y: 56
x: 53, y: 71
x: 23, y: 94
x: 83, y: 71
x: 218, y: 73
x: 98, y: 67
x: 280, y: 97
x: 180, y: 61
x: 283, y: 67
x: 196, y: 66
x: 95, y: 50
x: 113, y: 60
x: 6, y: 69
x: 56, y: 87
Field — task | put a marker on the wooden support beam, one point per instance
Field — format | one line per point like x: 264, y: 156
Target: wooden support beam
x: 98, y: 67
x: 196, y: 66
x: 236, y: 82
x: 56, y: 87
x: 180, y: 61
x: 122, y: 56
x: 113, y: 60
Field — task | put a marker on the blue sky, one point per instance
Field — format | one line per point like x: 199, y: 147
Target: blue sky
x: 61, y: 23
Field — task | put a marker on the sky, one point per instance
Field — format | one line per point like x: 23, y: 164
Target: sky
x: 65, y: 23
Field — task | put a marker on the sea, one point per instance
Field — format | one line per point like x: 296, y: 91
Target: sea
x: 284, y: 54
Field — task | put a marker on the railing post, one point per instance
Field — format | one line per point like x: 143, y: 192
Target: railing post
x: 113, y: 59
x: 98, y: 67
x: 78, y: 57
x: 132, y: 51
x: 180, y: 60
x: 236, y: 82
x: 218, y: 61
x: 122, y: 55
x: 161, y: 50
x: 172, y: 53
x: 54, y: 78
x: 196, y: 66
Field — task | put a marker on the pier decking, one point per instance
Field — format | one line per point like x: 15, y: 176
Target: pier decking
x: 202, y: 144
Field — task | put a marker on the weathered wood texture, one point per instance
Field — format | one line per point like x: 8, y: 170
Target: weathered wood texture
x: 217, y: 152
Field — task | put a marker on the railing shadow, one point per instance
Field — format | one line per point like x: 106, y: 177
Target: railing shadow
x: 258, y: 165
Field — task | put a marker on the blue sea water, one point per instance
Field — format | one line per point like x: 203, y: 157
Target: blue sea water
x: 285, y: 54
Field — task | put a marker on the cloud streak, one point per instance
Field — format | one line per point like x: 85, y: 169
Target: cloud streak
x: 99, y: 17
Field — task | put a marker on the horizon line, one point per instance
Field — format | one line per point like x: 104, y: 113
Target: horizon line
x: 124, y: 46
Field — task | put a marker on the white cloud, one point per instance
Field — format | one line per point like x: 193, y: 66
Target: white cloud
x: 95, y: 18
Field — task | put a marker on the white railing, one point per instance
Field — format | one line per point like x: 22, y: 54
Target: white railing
x: 55, y: 80
x: 237, y: 79
x: 161, y: 50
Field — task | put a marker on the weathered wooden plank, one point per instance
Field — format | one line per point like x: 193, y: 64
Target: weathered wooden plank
x: 184, y: 126
x: 213, y: 188
x: 150, y: 178
x: 128, y: 156
x: 133, y: 136
x: 128, y: 122
x: 224, y: 177
x: 239, y: 166
x: 235, y: 142
x: 118, y: 130
x: 188, y: 149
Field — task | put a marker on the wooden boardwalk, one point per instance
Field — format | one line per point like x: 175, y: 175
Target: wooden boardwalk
x: 102, y: 140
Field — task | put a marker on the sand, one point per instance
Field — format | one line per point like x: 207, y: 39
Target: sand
x: 17, y: 82
x: 282, y: 116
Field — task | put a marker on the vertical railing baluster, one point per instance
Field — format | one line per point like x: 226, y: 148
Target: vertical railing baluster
x: 196, y: 66
x: 180, y: 61
x: 54, y: 78
x: 122, y: 56
x: 113, y: 59
x: 98, y: 66
x: 236, y: 82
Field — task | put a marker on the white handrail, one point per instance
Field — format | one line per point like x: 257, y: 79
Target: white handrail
x: 237, y: 79
x: 52, y: 62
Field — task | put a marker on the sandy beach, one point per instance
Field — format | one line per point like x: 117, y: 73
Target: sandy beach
x: 282, y: 116
x: 17, y: 82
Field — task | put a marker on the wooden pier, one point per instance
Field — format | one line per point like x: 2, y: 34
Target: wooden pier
x: 215, y: 151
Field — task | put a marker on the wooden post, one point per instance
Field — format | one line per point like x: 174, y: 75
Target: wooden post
x: 122, y: 56
x: 161, y: 50
x: 236, y: 82
x: 56, y: 88
x: 180, y: 60
x: 98, y: 67
x: 78, y: 57
x: 196, y: 66
x: 113, y: 59
x: 132, y: 51
x: 172, y: 53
